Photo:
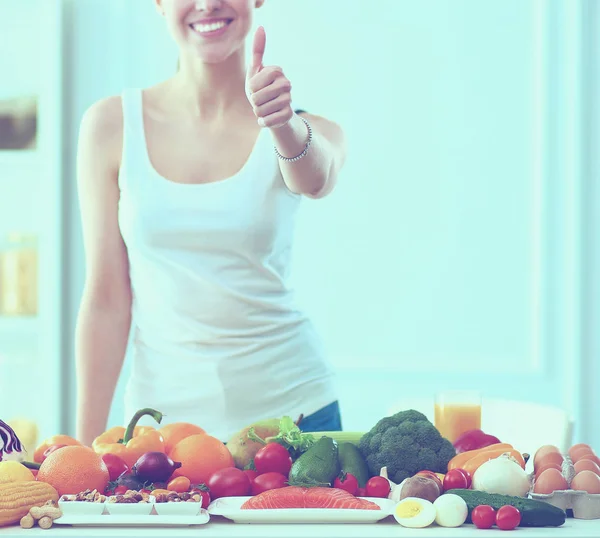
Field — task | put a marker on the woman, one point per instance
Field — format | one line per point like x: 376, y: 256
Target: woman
x: 188, y: 192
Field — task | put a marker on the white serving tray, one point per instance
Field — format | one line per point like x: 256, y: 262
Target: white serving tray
x: 229, y: 507
x: 151, y: 520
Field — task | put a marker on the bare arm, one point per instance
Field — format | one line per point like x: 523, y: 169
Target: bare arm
x: 316, y: 173
x: 104, y: 318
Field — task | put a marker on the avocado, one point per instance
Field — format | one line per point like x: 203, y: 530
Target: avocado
x: 352, y: 461
x: 318, y: 466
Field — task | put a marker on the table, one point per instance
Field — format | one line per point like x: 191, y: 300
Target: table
x: 222, y: 528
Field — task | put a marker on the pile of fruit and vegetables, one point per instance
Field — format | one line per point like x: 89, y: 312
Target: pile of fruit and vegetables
x: 479, y: 480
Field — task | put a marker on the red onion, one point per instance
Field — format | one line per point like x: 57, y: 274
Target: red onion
x: 155, y: 467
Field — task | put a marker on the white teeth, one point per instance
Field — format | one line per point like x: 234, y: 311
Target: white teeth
x: 212, y: 27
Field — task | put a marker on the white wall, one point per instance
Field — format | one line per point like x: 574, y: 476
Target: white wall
x: 451, y: 254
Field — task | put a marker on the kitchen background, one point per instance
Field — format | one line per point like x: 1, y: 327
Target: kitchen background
x: 460, y: 249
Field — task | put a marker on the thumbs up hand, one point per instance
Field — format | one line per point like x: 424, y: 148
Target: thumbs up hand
x: 267, y: 88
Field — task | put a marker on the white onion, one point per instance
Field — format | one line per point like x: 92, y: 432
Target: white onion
x: 502, y: 475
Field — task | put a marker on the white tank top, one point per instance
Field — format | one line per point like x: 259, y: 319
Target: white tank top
x: 217, y: 339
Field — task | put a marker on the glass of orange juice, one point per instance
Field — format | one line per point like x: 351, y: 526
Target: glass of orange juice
x: 456, y: 412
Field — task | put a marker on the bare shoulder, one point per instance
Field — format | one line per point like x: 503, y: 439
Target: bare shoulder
x: 104, y: 117
x: 101, y: 134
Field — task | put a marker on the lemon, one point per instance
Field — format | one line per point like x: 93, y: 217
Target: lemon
x: 13, y: 471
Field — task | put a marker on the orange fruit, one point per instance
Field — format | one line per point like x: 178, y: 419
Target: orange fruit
x: 173, y: 433
x: 73, y: 469
x: 38, y: 455
x: 200, y: 456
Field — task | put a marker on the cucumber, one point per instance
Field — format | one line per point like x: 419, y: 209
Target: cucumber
x: 533, y: 513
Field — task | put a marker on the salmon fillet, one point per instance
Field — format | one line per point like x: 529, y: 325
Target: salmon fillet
x: 297, y: 497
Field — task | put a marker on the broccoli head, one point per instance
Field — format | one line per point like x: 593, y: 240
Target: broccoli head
x: 406, y: 443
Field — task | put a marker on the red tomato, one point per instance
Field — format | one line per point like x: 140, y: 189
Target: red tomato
x: 251, y: 474
x: 467, y: 475
x: 378, y: 486
x: 267, y: 481
x: 455, y: 479
x: 202, y: 490
x: 483, y: 516
x: 146, y: 491
x: 49, y: 451
x: 273, y: 458
x: 361, y: 492
x: 229, y: 482
x: 120, y: 490
x: 347, y: 482
x: 508, y: 517
x: 116, y: 466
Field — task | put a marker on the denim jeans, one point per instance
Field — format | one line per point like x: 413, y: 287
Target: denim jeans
x: 326, y: 419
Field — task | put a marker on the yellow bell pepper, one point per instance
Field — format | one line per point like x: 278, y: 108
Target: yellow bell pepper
x: 132, y: 442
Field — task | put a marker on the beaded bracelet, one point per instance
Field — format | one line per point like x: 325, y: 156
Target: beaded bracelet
x: 304, y: 152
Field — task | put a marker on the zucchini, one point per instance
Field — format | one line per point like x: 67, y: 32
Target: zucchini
x: 533, y: 513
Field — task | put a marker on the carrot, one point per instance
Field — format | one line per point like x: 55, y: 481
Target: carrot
x: 477, y: 461
x: 459, y: 460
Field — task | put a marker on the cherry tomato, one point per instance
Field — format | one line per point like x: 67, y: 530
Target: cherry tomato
x: 180, y: 484
x: 120, y: 490
x: 273, y: 458
x: 483, y: 516
x: 116, y: 466
x: 229, y: 482
x: 251, y: 474
x: 49, y: 451
x: 146, y: 491
x: 467, y: 475
x: 378, y: 486
x: 361, y: 492
x: 267, y: 481
x: 348, y: 482
x: 455, y: 479
x: 202, y: 490
x: 508, y: 517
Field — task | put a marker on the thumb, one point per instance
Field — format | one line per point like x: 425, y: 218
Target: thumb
x: 258, y: 52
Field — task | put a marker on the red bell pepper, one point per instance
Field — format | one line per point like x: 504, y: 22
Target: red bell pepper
x: 474, y: 440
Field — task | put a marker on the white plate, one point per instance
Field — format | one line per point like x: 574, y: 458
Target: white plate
x: 230, y: 508
x: 134, y: 521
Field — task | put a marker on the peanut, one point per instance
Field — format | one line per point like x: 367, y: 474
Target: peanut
x: 27, y: 522
x: 45, y: 522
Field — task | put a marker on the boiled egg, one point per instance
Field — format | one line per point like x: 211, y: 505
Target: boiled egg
x: 586, y: 481
x: 542, y: 452
x: 550, y: 480
x: 415, y: 513
x: 587, y: 465
x: 451, y: 510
